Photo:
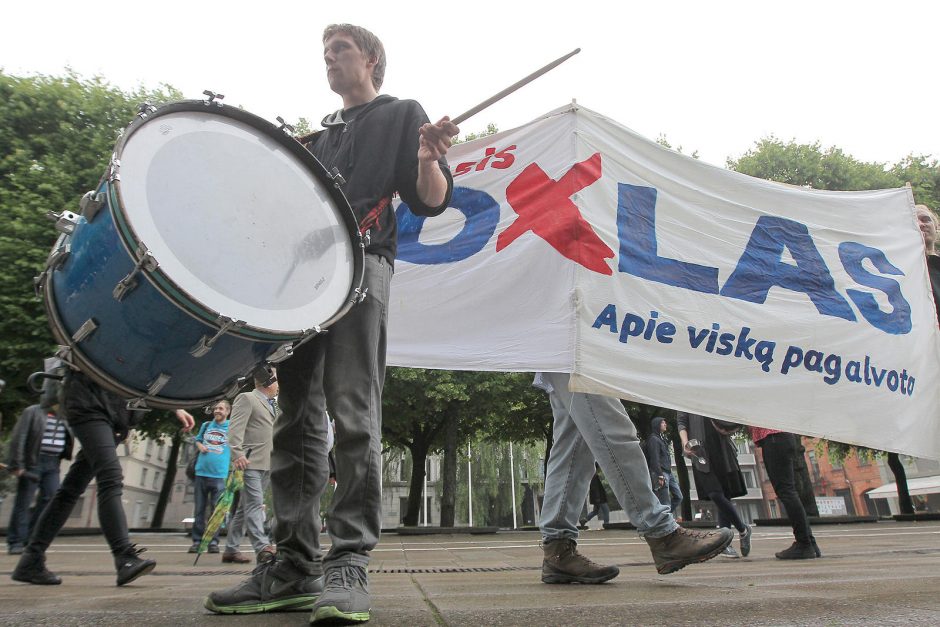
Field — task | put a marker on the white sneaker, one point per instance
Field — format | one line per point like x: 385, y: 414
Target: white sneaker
x: 730, y: 552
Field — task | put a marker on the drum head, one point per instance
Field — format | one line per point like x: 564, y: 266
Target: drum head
x: 236, y: 220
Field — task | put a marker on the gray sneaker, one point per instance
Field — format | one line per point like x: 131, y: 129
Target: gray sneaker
x: 274, y: 586
x: 345, y: 599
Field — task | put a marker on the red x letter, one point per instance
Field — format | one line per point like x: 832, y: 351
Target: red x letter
x: 545, y: 208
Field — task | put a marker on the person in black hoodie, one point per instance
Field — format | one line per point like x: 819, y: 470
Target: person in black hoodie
x: 665, y: 484
x: 381, y: 146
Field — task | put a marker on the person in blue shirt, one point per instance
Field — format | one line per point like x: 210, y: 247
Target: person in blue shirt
x: 211, y: 470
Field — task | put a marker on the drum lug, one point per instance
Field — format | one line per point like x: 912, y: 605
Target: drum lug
x: 65, y: 222
x: 211, y: 98
x: 87, y: 328
x: 287, y: 128
x: 337, y: 177
x: 282, y: 352
x: 90, y: 204
x: 114, y: 169
x: 360, y: 295
x: 138, y: 404
x: 205, y: 343
x: 147, y: 262
x: 158, y: 384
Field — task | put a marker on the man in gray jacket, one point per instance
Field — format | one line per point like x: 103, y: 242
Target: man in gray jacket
x: 250, y: 436
x: 38, y: 443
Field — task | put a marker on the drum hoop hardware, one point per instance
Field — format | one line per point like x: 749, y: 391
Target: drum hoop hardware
x: 88, y: 327
x: 336, y: 177
x: 360, y: 295
x: 144, y: 109
x: 288, y: 129
x: 212, y: 97
x: 146, y: 262
x: 114, y: 169
x: 205, y: 343
x: 91, y: 204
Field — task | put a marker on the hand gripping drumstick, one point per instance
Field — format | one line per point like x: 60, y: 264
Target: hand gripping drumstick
x: 525, y: 81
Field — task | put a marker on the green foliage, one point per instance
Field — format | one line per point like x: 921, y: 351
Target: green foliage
x: 810, y: 165
x: 56, y: 136
x: 923, y: 173
x: 662, y: 141
x: 491, y: 129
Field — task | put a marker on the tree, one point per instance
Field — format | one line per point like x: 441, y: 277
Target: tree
x: 56, y: 136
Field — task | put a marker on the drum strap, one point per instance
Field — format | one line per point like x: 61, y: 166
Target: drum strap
x: 372, y: 218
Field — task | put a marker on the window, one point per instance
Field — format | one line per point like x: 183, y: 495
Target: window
x: 749, y: 480
x: 149, y: 450
x: 863, y: 460
x: 814, y: 464
x: 773, y: 509
x: 156, y: 480
x: 143, y: 477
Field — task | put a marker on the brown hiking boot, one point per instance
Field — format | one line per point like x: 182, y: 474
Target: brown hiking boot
x: 563, y: 564
x: 686, y: 546
x: 234, y: 557
x: 266, y: 554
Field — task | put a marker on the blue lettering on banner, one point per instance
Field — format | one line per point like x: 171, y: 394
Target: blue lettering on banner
x: 636, y: 229
x: 739, y: 344
x: 898, y: 321
x: 481, y: 213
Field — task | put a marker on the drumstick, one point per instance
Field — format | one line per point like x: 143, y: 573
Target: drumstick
x: 525, y: 81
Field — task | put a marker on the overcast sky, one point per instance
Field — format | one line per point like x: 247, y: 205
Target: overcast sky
x: 710, y: 76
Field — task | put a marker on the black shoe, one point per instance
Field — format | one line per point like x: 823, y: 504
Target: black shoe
x: 213, y: 548
x: 129, y: 566
x: 274, y: 586
x: 194, y: 548
x: 32, y: 569
x: 816, y: 548
x: 15, y: 550
x: 797, y: 551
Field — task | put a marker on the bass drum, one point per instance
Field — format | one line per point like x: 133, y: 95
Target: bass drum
x: 213, y: 243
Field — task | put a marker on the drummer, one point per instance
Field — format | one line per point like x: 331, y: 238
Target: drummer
x: 100, y: 421
x: 380, y: 145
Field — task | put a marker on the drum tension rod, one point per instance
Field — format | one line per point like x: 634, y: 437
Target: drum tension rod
x: 65, y: 222
x: 337, y: 177
x: 147, y: 262
x: 211, y: 98
x: 287, y: 128
x: 205, y: 343
x: 144, y: 109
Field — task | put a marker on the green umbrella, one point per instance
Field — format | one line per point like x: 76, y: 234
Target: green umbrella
x: 234, y: 483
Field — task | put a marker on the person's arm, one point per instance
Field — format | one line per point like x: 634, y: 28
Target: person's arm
x: 238, y: 423
x: 18, y: 444
x: 186, y: 419
x: 433, y: 142
x: 200, y: 445
x: 682, y: 423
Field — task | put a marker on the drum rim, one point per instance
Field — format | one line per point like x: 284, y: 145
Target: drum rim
x: 174, y: 292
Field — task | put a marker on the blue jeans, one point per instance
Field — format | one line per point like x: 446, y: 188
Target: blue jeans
x: 589, y: 427
x: 206, y: 491
x: 670, y: 494
x: 23, y: 518
x: 342, y: 370
x: 250, y: 514
x: 602, y: 511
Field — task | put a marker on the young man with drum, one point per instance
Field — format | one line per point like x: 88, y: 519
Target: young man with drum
x: 381, y: 146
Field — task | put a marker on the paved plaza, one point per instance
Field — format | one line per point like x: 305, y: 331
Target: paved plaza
x: 884, y: 573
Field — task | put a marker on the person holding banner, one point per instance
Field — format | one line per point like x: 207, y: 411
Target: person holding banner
x: 927, y: 221
x: 717, y: 474
x: 589, y: 427
x: 381, y: 146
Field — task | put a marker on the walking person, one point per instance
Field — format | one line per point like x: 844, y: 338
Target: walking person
x: 99, y: 421
x: 38, y: 444
x: 589, y: 427
x: 715, y: 470
x: 659, y: 459
x: 251, y: 430
x: 781, y: 452
x: 381, y: 146
x: 597, y: 496
x: 212, y: 463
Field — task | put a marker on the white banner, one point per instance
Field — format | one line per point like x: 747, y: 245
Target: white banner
x: 575, y: 245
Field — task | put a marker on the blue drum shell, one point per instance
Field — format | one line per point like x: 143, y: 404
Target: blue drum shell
x: 146, y: 334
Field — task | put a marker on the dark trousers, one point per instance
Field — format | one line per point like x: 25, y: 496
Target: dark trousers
x: 22, y: 518
x: 727, y: 513
x: 97, y: 460
x: 206, y: 491
x: 780, y: 453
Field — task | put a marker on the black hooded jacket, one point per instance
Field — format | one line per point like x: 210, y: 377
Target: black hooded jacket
x: 657, y: 451
x: 375, y: 148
